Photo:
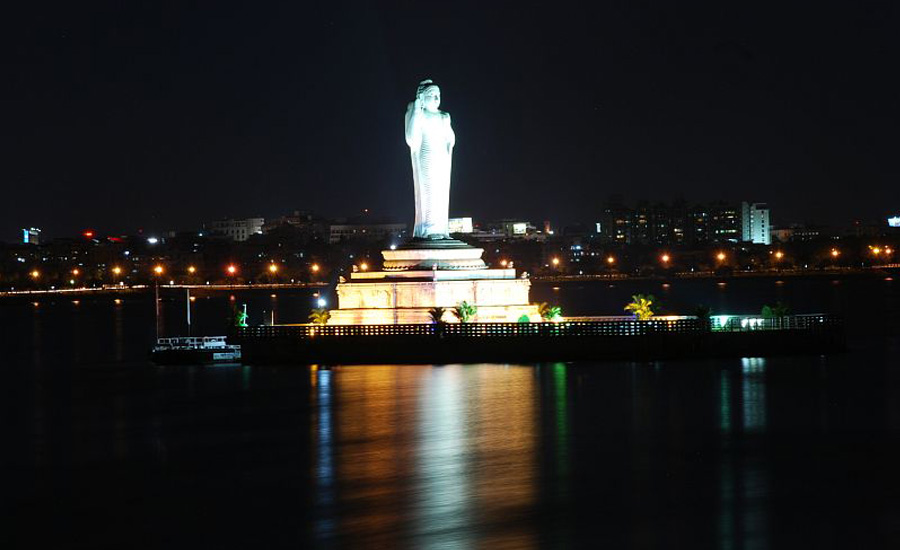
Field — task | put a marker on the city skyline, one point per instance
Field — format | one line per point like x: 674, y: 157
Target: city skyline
x: 150, y: 117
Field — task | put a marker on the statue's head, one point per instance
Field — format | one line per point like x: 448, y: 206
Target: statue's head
x: 430, y: 94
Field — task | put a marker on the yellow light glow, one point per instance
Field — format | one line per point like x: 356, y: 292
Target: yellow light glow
x: 503, y: 263
x: 231, y: 270
x: 117, y: 270
x: 363, y: 266
x: 555, y: 261
x: 158, y: 270
x: 888, y: 250
x: 835, y: 252
x: 876, y: 250
x: 117, y: 301
x: 665, y: 258
x: 314, y: 268
x: 610, y: 260
x: 273, y: 268
x: 75, y: 271
x: 35, y: 274
x: 192, y: 269
x: 720, y: 256
x: 779, y: 255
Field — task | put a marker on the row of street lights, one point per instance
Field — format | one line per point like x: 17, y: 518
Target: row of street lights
x: 159, y: 269
x: 721, y: 257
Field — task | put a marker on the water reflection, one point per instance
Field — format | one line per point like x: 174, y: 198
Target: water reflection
x: 743, y: 480
x: 442, y: 456
x: 444, y: 482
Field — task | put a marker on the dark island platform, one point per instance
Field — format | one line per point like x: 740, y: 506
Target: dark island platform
x: 596, y: 339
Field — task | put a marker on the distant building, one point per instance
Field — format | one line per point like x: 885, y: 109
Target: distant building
x: 724, y: 222
x: 31, y: 235
x: 461, y: 225
x: 755, y: 223
x: 237, y: 230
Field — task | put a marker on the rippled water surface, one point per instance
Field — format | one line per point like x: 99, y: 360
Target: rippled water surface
x: 104, y: 449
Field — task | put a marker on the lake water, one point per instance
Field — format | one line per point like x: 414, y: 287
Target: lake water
x: 104, y: 449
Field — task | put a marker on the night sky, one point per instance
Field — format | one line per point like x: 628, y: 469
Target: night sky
x: 126, y: 115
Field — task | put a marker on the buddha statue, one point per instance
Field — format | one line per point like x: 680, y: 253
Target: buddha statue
x: 431, y: 139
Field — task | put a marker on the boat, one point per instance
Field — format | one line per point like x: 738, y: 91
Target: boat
x: 194, y: 350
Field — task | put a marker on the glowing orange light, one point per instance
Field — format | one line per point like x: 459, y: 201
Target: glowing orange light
x: 231, y: 269
x: 503, y: 263
x: 88, y: 234
x: 158, y: 270
x: 665, y: 258
x: 835, y: 252
x: 35, y: 274
x: 273, y: 268
x: 610, y: 260
x: 720, y: 256
x: 192, y: 269
x: 117, y: 270
x: 555, y: 261
x: 118, y: 301
x: 876, y: 250
x: 75, y: 271
x: 888, y: 250
x: 779, y: 255
x: 314, y: 268
x: 363, y: 266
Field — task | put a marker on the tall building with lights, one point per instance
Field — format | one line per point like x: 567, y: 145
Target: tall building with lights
x: 238, y: 230
x: 755, y: 223
x: 31, y: 235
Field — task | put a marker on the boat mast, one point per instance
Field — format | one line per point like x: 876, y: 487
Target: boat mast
x: 156, y: 304
x: 187, y: 292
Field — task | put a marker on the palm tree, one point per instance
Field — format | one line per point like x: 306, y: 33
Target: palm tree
x: 641, y: 306
x: 778, y: 312
x: 703, y: 314
x: 548, y: 313
x: 465, y: 312
x: 437, y: 315
x: 319, y: 316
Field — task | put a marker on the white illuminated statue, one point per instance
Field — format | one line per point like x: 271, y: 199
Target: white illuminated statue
x: 431, y: 139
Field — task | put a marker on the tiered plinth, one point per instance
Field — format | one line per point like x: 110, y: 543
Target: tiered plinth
x: 423, y: 275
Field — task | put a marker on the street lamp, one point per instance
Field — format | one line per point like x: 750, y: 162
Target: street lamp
x: 273, y: 269
x: 721, y: 256
x: 363, y: 266
x: 555, y: 262
x: 610, y: 260
x: 158, y: 270
x: 192, y: 269
x: 665, y: 258
x: 35, y: 274
x: 314, y: 268
x: 779, y: 255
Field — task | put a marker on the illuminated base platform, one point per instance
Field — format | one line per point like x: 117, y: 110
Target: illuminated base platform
x: 422, y: 275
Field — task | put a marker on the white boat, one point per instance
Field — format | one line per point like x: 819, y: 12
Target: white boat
x: 195, y: 350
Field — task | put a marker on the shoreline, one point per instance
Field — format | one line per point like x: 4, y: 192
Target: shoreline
x: 878, y: 271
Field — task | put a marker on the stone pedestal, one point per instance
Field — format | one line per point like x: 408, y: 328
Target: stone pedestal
x: 426, y: 274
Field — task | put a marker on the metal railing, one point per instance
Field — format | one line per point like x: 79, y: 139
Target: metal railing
x: 614, y: 327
